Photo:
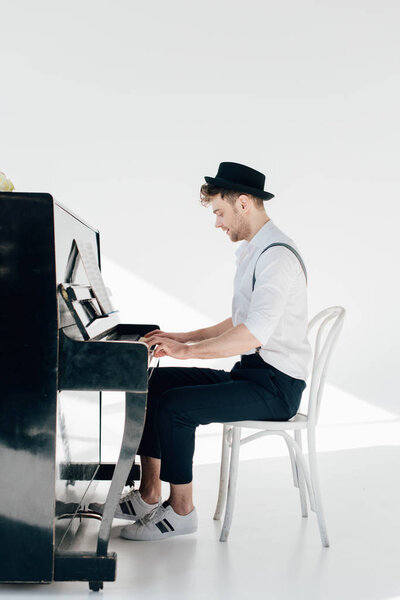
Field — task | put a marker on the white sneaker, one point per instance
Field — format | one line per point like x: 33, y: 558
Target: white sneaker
x: 131, y: 506
x: 161, y: 523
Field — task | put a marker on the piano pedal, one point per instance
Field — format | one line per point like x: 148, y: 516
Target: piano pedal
x: 82, y: 514
x: 89, y: 514
x: 67, y: 516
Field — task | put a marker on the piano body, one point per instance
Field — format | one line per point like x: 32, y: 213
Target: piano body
x: 61, y: 345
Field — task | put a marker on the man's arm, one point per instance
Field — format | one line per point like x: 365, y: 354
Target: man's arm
x: 232, y: 342
x: 194, y: 336
x: 210, y: 332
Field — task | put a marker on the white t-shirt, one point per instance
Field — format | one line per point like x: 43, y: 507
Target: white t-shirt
x: 276, y: 311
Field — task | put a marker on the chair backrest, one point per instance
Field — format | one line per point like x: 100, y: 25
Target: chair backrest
x: 325, y: 340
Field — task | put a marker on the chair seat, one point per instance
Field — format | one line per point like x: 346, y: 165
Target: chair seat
x: 299, y: 421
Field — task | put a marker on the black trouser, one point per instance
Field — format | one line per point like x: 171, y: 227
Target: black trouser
x: 181, y: 398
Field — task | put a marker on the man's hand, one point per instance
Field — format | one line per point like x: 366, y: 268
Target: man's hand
x: 234, y: 341
x: 178, y: 337
x: 166, y: 346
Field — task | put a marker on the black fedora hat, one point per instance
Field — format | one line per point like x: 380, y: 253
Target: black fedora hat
x: 237, y: 177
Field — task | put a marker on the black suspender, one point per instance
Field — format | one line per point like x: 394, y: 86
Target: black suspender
x: 289, y: 248
x: 294, y: 252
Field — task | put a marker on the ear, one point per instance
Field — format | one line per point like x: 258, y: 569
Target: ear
x: 244, y: 202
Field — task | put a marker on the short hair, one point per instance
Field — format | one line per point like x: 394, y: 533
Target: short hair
x: 209, y: 190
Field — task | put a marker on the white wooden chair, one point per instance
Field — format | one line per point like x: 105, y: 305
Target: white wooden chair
x: 305, y: 476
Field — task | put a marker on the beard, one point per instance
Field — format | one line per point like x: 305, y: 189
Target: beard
x: 241, y: 230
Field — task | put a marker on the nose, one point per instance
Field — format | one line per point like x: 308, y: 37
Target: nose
x: 218, y: 223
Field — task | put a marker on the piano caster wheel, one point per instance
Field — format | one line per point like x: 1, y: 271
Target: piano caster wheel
x: 95, y: 586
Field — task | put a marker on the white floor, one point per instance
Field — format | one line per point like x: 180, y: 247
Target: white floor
x: 272, y: 551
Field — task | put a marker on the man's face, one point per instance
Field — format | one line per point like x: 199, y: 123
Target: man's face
x: 231, y: 219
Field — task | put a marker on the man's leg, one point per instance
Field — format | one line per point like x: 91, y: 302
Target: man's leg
x: 150, y: 483
x: 136, y: 503
x: 162, y: 380
x: 180, y: 411
x: 244, y: 400
x: 215, y: 398
x: 181, y: 498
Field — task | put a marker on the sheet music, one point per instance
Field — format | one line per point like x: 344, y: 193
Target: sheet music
x: 90, y: 264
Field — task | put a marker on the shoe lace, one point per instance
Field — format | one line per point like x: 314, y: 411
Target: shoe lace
x: 128, y: 495
x: 153, y: 514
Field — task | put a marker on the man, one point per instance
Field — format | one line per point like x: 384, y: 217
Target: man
x: 268, y: 328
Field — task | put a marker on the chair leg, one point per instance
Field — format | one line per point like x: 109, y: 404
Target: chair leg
x: 312, y: 455
x: 294, y: 465
x: 223, y: 477
x: 233, y: 473
x: 300, y: 478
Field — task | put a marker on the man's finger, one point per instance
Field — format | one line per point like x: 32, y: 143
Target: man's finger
x: 152, y: 332
x: 159, y: 351
x: 154, y: 340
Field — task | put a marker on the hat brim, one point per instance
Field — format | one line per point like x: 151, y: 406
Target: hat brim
x: 237, y: 187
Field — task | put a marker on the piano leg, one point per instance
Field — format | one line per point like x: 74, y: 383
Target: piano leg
x: 135, y: 410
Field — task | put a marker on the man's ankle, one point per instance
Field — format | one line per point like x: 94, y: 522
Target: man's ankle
x: 181, y: 509
x: 150, y: 496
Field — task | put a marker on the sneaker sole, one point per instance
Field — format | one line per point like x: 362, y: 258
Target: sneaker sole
x: 156, y: 539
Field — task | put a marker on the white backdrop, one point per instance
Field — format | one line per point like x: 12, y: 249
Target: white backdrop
x: 119, y: 108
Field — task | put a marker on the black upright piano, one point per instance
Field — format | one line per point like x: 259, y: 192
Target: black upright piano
x: 61, y: 345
